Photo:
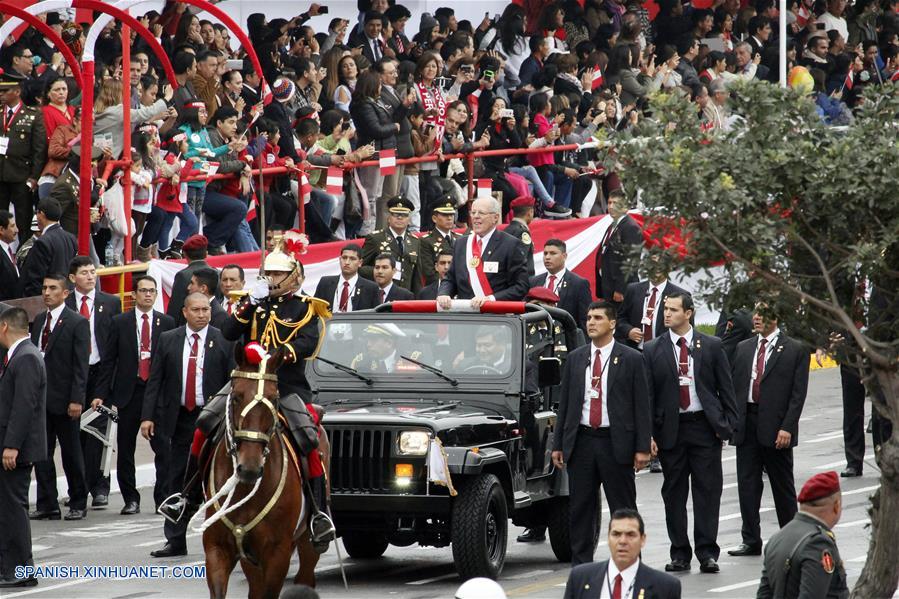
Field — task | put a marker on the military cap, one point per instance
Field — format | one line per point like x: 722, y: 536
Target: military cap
x: 821, y: 485
x: 522, y: 201
x: 542, y: 294
x: 10, y: 79
x: 400, y: 205
x: 196, y: 242
x: 445, y: 205
x: 386, y: 329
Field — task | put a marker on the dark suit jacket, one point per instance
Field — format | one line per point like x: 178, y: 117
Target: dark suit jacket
x: 219, y: 316
x: 587, y: 580
x: 612, y: 276
x: 713, y: 386
x: 783, y: 388
x: 23, y: 396
x: 518, y: 230
x: 428, y: 292
x: 10, y: 282
x: 179, y: 290
x: 66, y: 358
x: 162, y: 398
x: 574, y: 295
x: 630, y: 422
x: 397, y: 293
x: 51, y: 254
x: 630, y: 314
x: 118, y: 370
x: 510, y: 282
x: 106, y: 306
x: 365, y: 295
x: 732, y: 328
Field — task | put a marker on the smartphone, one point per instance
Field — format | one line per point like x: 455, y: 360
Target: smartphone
x: 234, y: 64
x: 322, y: 10
x: 488, y: 75
x: 507, y: 113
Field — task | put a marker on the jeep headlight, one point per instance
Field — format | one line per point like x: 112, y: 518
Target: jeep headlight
x: 413, y: 443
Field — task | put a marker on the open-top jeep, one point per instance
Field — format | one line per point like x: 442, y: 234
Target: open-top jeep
x: 441, y: 427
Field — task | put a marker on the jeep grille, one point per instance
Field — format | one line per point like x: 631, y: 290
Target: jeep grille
x: 361, y: 460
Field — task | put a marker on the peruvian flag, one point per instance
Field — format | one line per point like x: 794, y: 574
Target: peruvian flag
x: 305, y: 188
x: 485, y: 187
x: 334, y: 184
x: 597, y: 78
x: 267, y: 96
x: 848, y: 82
x: 387, y: 158
x: 251, y: 211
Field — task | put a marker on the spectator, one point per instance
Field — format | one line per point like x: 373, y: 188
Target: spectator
x: 225, y: 213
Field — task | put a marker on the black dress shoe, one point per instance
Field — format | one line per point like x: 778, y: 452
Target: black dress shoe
x: 169, y: 550
x: 100, y: 501
x: 709, y: 566
x: 76, y: 514
x: 44, y: 515
x: 655, y: 465
x: 131, y: 508
x: 14, y: 583
x: 532, y: 535
x: 677, y: 565
x: 851, y: 472
x: 745, y: 549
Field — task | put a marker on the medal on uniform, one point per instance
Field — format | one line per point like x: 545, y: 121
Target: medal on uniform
x: 474, y: 261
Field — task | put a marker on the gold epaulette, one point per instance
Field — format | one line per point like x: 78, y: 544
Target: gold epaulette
x: 319, y: 307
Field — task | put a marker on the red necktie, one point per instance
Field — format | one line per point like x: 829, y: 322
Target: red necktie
x: 476, y: 248
x: 552, y: 283
x: 596, y: 402
x: 85, y: 311
x: 616, y: 590
x: 12, y: 256
x: 230, y: 308
x: 759, y: 371
x: 345, y: 297
x: 684, y: 370
x: 143, y: 367
x: 380, y: 296
x: 45, y: 336
x: 650, y: 314
x: 190, y: 392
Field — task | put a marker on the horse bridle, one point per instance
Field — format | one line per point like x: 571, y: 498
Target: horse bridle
x: 237, y: 434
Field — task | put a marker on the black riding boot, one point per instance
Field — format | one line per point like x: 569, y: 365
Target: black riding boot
x: 321, y: 526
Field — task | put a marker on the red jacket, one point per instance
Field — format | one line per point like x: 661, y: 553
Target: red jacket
x: 269, y: 158
x: 167, y: 198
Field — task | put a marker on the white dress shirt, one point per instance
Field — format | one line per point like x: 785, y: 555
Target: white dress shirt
x: 185, y: 358
x: 605, y: 353
x: 628, y: 575
x: 139, y: 317
x: 769, y: 348
x: 95, y: 351
x: 386, y: 290
x: 340, y: 281
x: 7, y: 249
x: 658, y: 307
x: 694, y: 406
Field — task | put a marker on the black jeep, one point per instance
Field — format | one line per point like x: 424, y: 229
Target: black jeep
x: 441, y: 425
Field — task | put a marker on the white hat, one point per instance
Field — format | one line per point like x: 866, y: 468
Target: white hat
x: 480, y: 588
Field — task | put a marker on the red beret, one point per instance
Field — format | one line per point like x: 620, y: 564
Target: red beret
x: 818, y: 486
x: 522, y: 201
x: 196, y: 242
x: 542, y: 294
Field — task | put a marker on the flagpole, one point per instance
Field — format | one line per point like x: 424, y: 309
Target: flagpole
x: 260, y: 208
x: 782, y: 41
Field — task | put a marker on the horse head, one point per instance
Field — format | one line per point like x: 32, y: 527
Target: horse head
x: 253, y: 408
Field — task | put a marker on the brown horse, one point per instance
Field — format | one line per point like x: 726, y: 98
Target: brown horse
x: 262, y: 532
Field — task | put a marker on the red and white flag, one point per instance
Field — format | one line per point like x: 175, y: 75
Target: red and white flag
x: 387, y: 158
x: 597, y: 78
x: 267, y: 95
x: 251, y: 211
x: 848, y: 82
x: 305, y: 188
x: 485, y: 187
x: 334, y: 185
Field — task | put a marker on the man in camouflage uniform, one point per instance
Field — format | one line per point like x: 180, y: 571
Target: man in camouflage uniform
x: 802, y: 559
x: 522, y: 215
x: 440, y: 238
x: 397, y: 241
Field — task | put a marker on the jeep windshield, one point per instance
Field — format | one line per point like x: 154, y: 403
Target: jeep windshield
x: 458, y: 349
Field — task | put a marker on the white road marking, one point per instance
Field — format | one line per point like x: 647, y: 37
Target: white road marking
x: 730, y: 485
x: 853, y: 523
x: 530, y: 574
x: 43, y: 589
x: 738, y: 515
x: 434, y: 579
x: 734, y: 587
x: 826, y: 437
x: 830, y: 465
x: 862, y: 490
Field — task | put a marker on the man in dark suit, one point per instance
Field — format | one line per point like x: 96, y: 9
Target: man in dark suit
x: 10, y: 285
x: 195, y: 249
x: 98, y: 308
x: 348, y: 291
x: 64, y: 338
x: 443, y: 262
x: 384, y: 272
x: 522, y: 209
x: 206, y: 281
x: 625, y: 570
x: 734, y: 325
x: 642, y: 314
x: 23, y: 389
x: 441, y: 237
x: 395, y: 239
x: 176, y: 388
x: 25, y: 151
x: 619, y: 239
x: 51, y: 253
x: 604, y: 427
x: 125, y: 369
x: 487, y: 264
x: 693, y: 414
x: 573, y: 290
x: 770, y: 380
x: 372, y: 44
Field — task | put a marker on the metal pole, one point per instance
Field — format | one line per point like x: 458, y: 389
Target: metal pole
x: 260, y: 208
x: 782, y: 39
x: 87, y: 144
x: 126, y: 137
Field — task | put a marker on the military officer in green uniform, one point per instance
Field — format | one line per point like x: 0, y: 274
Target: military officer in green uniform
x: 802, y: 559
x: 380, y: 355
x: 522, y: 215
x: 23, y: 151
x: 441, y: 237
x: 396, y: 240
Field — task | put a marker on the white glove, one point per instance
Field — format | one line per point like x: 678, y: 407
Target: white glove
x: 259, y: 291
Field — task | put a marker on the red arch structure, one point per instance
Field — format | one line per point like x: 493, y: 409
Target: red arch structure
x: 48, y: 32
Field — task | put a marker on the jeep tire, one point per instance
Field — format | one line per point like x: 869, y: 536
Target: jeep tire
x: 364, y: 546
x: 480, y: 528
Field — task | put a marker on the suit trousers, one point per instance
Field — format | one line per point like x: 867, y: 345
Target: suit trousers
x: 20, y: 196
x: 15, y: 542
x: 853, y: 418
x: 693, y: 464
x: 592, y: 464
x: 180, y: 443
x: 97, y: 484
x: 129, y: 428
x: 778, y: 463
x: 63, y: 428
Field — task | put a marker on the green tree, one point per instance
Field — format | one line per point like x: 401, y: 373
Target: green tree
x: 808, y: 214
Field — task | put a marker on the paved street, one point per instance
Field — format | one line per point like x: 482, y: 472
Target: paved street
x: 107, y: 539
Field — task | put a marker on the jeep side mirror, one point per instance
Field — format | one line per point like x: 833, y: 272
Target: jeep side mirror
x: 549, y: 372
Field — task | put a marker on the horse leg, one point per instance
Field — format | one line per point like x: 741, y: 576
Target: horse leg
x: 308, y: 560
x: 219, y: 564
x: 274, y: 570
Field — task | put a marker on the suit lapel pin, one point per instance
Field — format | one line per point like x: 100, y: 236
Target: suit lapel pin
x: 698, y: 343
x: 780, y: 348
x: 210, y: 344
x: 99, y: 308
x: 615, y: 361
x: 586, y: 587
